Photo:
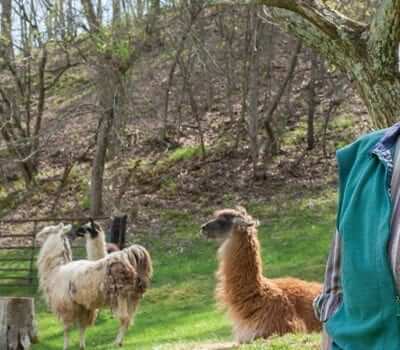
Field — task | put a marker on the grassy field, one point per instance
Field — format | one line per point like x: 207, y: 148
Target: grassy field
x: 179, y: 311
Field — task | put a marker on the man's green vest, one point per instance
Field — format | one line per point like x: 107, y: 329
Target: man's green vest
x: 368, y: 318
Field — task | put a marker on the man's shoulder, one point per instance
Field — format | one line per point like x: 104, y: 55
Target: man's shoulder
x: 372, y: 138
x: 366, y: 142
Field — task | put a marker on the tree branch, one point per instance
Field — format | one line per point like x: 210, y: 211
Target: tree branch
x: 305, y: 31
x: 329, y: 32
x: 385, y: 37
x: 292, y: 67
x: 332, y: 23
x: 60, y: 74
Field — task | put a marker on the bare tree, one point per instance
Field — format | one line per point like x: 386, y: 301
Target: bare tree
x: 113, y: 56
x: 26, y: 81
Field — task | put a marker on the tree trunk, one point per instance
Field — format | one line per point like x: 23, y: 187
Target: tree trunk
x: 99, y: 11
x: 116, y: 16
x: 71, y: 28
x: 108, y: 87
x: 5, y: 27
x: 154, y: 29
x: 90, y: 14
x: 96, y: 187
x: 253, y: 91
x: 274, y: 103
x: 139, y: 9
x: 62, y: 24
x: 197, y: 112
x: 244, y: 80
x: 17, y: 323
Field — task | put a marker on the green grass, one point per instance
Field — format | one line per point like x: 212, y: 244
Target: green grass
x: 179, y: 311
x: 183, y: 153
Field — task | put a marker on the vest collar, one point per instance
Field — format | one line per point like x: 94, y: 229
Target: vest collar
x: 384, y: 148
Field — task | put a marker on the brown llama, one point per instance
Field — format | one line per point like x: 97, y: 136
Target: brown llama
x: 257, y: 306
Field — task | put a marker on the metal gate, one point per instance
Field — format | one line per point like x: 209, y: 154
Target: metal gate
x: 18, y: 248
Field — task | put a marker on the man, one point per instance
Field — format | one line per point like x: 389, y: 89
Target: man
x: 360, y: 304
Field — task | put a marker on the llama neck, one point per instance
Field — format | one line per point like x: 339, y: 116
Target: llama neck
x: 96, y: 247
x: 54, y: 253
x: 240, y: 261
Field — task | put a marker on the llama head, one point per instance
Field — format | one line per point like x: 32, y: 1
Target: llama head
x: 228, y: 221
x: 60, y: 229
x: 56, y: 249
x: 91, y: 228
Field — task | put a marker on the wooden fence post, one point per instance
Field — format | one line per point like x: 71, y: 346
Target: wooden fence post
x: 17, y: 323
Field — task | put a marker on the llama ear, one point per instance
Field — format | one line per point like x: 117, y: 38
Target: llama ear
x: 48, y: 231
x: 92, y: 225
x: 59, y: 228
x: 42, y: 235
x: 67, y: 229
x: 242, y: 210
x: 240, y: 222
x: 64, y: 229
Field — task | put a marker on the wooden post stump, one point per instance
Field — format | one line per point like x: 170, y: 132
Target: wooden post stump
x: 17, y: 323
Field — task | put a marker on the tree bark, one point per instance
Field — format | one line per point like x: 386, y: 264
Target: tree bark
x: 17, y: 323
x: 367, y: 54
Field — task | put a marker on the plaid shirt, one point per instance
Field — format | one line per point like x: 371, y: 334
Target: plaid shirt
x: 327, y: 303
